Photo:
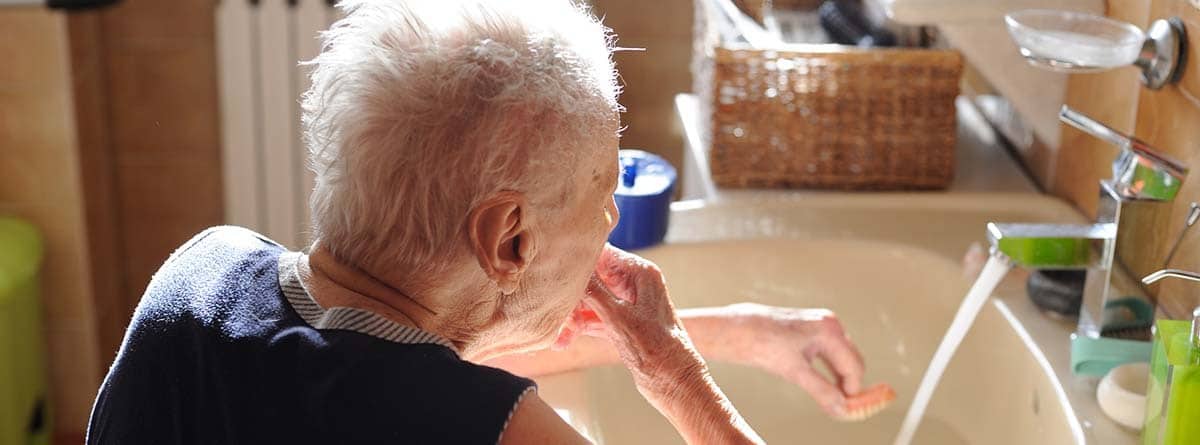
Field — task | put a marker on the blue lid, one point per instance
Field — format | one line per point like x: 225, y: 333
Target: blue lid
x: 644, y: 174
x: 644, y: 199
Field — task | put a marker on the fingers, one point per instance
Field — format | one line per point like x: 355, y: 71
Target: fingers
x: 833, y: 347
x: 844, y: 360
x: 628, y: 276
x: 824, y: 392
x: 601, y: 300
x: 609, y: 266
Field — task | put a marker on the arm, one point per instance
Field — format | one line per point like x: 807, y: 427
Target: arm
x: 534, y: 421
x: 704, y: 411
x: 783, y: 341
x: 704, y: 326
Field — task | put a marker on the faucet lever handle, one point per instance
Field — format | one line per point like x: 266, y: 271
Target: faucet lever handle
x: 1140, y: 171
x: 1123, y: 141
x: 1086, y: 124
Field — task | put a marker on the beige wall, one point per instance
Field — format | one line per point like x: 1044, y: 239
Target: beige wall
x: 39, y: 180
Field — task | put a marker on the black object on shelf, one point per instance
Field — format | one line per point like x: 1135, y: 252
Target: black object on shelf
x: 79, y: 4
x: 847, y: 24
x: 69, y: 5
x: 1057, y: 291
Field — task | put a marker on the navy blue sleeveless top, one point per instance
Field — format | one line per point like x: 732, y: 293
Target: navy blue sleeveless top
x: 226, y: 347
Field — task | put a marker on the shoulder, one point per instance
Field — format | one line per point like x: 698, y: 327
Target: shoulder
x: 432, y: 369
x: 226, y: 240
x: 425, y: 394
x: 220, y: 272
x: 217, y: 251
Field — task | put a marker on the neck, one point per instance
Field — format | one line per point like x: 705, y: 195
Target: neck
x: 335, y: 284
x: 450, y: 307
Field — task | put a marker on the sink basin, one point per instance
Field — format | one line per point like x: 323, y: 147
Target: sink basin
x: 889, y: 266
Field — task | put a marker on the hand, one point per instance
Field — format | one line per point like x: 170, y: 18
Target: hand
x: 631, y: 306
x: 788, y: 342
x: 629, y: 297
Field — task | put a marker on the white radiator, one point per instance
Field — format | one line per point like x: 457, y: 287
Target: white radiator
x: 259, y: 46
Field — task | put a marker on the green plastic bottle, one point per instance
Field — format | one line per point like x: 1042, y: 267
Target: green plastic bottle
x: 1173, y: 398
x: 24, y: 402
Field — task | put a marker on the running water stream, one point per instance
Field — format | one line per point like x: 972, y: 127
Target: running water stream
x: 995, y: 269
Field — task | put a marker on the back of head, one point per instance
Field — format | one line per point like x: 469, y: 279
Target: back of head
x: 420, y: 109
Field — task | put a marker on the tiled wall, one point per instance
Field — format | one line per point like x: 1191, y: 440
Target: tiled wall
x: 1168, y: 119
x: 39, y: 181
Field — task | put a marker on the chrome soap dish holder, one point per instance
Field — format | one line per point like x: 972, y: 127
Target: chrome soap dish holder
x: 1078, y: 42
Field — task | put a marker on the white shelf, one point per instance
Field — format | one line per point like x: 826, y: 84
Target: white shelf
x: 936, y: 12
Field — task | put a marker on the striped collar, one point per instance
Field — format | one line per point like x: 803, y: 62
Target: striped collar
x: 346, y: 318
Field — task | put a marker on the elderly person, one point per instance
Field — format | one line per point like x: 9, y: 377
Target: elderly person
x: 465, y: 159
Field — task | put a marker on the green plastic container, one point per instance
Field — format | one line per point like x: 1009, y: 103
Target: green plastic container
x: 1173, y: 397
x: 24, y: 402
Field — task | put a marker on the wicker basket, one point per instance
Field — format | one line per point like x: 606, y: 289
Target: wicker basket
x: 827, y: 116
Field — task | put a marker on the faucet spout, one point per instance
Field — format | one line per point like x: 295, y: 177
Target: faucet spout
x: 1186, y: 275
x: 1051, y: 246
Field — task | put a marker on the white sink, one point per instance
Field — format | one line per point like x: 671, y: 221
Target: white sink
x: 888, y: 264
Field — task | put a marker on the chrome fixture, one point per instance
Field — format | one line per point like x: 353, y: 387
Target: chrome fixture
x: 1186, y: 275
x: 1140, y: 174
x: 1080, y: 42
x: 1162, y: 53
x: 1171, y: 273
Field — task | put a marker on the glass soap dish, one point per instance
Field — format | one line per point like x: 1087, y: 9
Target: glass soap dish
x: 1074, y: 42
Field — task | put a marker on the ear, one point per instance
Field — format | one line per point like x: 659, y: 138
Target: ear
x: 501, y: 238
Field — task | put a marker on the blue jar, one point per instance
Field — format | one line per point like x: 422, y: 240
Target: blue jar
x: 643, y: 197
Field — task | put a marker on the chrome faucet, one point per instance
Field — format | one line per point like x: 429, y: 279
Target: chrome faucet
x: 1170, y: 273
x: 1191, y: 276
x: 1139, y: 175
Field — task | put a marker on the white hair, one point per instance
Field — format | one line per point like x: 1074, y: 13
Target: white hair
x: 420, y: 109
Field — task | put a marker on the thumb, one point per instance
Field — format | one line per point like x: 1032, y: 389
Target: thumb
x: 822, y: 390
x: 844, y: 360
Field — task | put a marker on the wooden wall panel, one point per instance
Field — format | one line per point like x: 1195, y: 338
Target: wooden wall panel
x: 141, y: 79
x: 39, y: 181
x: 98, y: 177
x: 146, y: 81
x: 1168, y: 119
x: 1110, y: 97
